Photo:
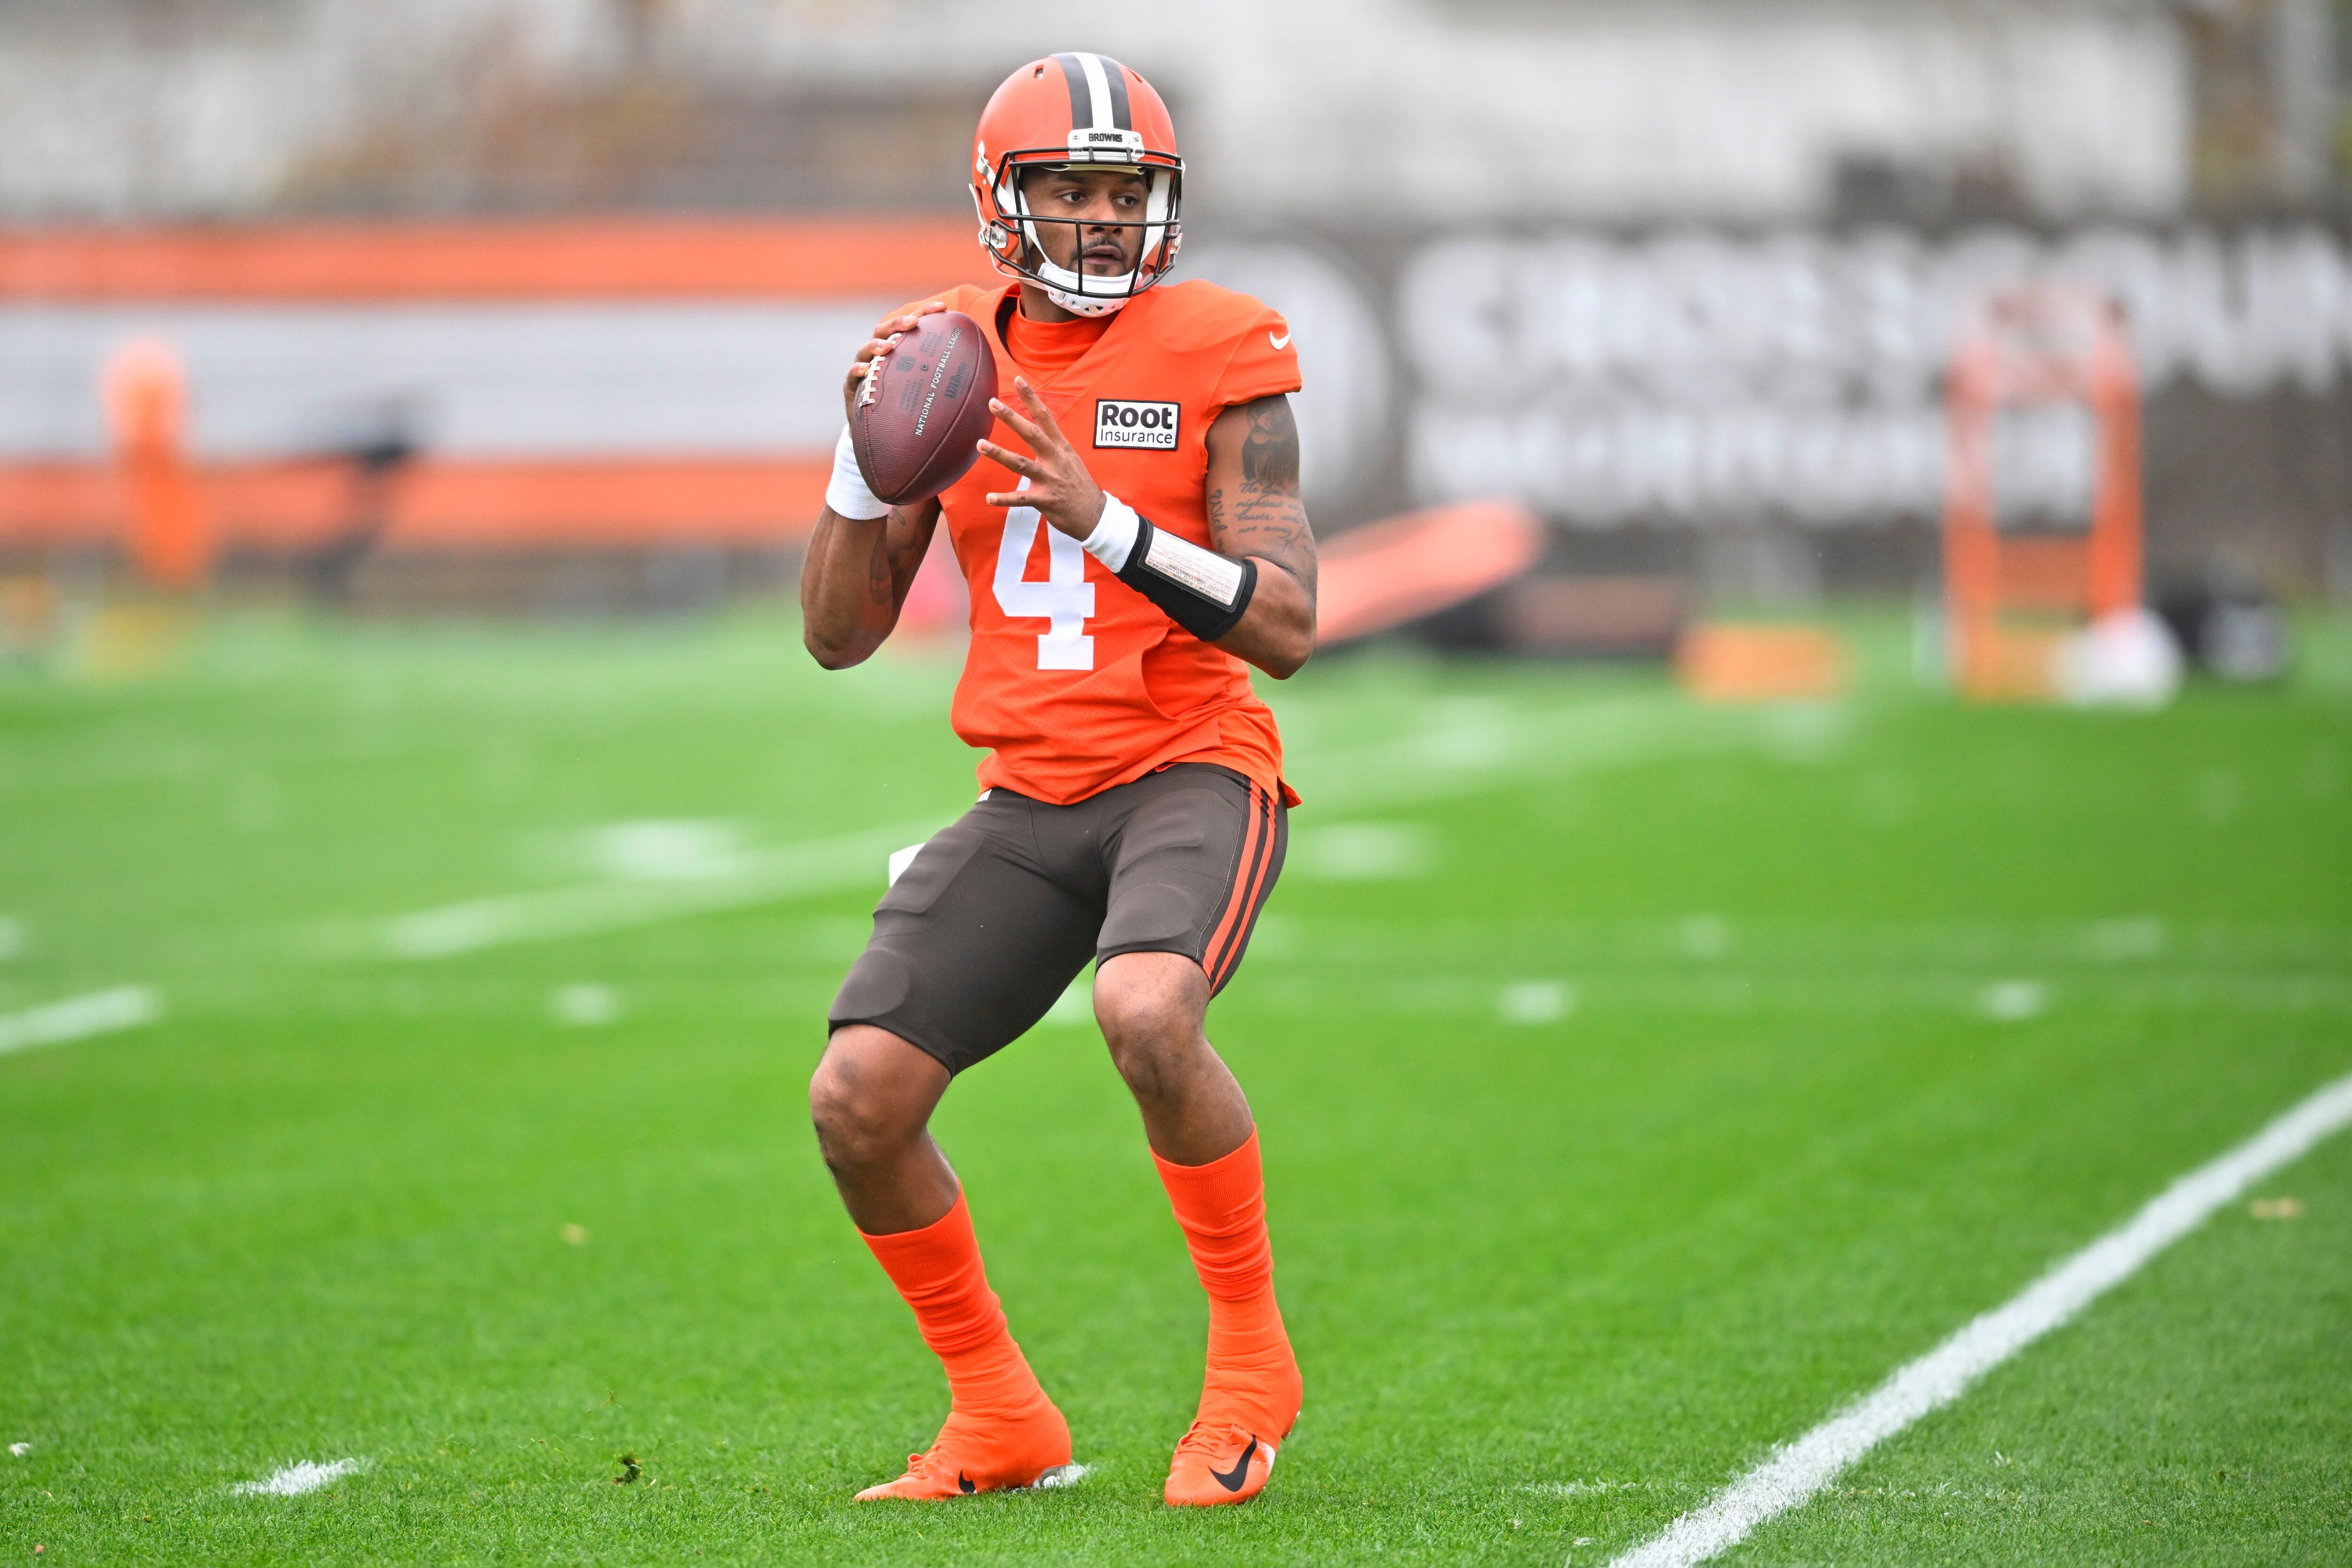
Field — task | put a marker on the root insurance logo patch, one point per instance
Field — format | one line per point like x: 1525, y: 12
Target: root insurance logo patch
x: 1123, y: 424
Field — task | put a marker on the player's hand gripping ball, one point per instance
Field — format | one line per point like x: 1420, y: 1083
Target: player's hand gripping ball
x: 919, y: 401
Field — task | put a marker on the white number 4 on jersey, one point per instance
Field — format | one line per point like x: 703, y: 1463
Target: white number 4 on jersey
x: 1066, y: 599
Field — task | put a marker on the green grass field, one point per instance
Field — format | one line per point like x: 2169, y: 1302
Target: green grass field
x: 1638, y: 1082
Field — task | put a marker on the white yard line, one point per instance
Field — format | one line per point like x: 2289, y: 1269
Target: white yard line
x: 78, y: 1017
x: 293, y: 1480
x: 1795, y: 1473
x: 1460, y: 754
x: 757, y: 877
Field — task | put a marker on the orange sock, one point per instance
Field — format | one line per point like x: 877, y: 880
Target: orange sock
x: 1221, y: 1207
x: 938, y: 1271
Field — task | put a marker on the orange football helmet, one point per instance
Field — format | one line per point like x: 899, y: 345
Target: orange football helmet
x: 1064, y: 111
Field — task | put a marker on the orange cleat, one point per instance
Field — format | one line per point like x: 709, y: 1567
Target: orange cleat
x: 1220, y: 1462
x: 972, y: 1455
x: 1249, y: 1404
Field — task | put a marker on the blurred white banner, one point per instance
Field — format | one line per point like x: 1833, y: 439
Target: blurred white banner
x: 1695, y: 375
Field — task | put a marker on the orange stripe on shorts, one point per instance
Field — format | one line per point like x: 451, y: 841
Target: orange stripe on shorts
x: 1258, y: 853
x: 1238, y: 898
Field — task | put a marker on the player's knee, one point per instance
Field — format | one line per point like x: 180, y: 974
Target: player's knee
x: 1147, y: 1019
x: 1137, y: 1015
x: 855, y: 1125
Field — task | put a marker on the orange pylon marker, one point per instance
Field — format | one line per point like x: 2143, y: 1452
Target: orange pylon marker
x: 2037, y: 344
x: 146, y: 408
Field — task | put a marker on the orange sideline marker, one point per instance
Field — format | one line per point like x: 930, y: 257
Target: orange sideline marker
x: 146, y: 403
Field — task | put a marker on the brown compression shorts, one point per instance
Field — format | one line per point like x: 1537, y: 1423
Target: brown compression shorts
x: 998, y: 913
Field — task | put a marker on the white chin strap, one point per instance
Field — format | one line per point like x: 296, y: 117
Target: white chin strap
x: 1061, y: 284
x: 1069, y: 290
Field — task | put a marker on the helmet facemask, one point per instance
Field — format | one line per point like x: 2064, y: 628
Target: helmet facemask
x: 1014, y: 235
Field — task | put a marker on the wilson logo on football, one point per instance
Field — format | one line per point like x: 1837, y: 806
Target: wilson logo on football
x: 1124, y: 423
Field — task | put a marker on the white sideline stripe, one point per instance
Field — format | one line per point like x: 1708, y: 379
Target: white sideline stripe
x: 78, y: 1017
x: 295, y: 1479
x: 1796, y: 1472
x: 791, y: 870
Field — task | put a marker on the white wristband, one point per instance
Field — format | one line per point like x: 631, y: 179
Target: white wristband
x: 848, y: 494
x: 1114, y: 533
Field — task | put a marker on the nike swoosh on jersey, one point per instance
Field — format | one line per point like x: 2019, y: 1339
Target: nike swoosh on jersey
x: 1281, y: 342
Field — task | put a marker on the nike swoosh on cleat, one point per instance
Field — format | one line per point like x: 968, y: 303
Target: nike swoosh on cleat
x: 1232, y: 1483
x: 963, y: 1483
x: 1281, y: 342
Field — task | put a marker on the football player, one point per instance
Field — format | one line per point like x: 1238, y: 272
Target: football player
x: 1133, y: 538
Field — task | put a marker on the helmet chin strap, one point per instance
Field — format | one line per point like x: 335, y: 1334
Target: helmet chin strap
x: 1060, y: 282
x: 1066, y: 288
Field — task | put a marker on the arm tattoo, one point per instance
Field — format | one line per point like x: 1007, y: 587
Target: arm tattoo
x: 1265, y: 518
x: 1270, y: 455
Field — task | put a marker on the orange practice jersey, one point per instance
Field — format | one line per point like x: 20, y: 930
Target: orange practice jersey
x: 1074, y: 680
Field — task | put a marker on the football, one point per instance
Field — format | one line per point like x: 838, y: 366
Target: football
x: 923, y: 406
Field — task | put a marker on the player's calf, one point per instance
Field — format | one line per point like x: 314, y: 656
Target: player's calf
x: 1150, y: 1006
x: 871, y: 1099
x: 870, y: 1102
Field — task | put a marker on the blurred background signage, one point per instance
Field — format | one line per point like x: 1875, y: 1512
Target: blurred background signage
x: 490, y: 283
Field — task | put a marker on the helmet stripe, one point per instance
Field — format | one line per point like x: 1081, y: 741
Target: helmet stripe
x: 1074, y: 77
x: 1097, y: 91
x: 1117, y: 74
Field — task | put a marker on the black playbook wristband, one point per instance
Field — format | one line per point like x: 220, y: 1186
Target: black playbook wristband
x: 1188, y: 582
